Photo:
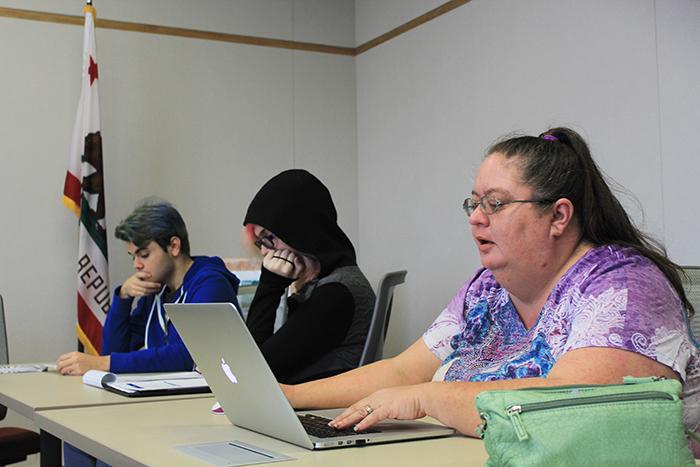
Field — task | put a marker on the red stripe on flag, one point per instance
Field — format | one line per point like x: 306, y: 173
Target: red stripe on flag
x: 71, y: 188
x: 90, y: 325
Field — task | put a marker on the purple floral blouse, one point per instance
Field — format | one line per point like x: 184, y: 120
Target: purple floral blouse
x: 612, y: 297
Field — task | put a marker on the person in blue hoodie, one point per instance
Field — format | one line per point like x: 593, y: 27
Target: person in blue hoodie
x: 144, y: 340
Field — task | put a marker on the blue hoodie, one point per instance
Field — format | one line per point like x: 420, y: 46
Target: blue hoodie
x: 136, y: 340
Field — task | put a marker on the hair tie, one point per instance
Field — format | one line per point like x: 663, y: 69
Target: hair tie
x: 550, y: 138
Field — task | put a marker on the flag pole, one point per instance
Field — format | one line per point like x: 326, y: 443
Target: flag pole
x: 84, y: 195
x: 88, y: 8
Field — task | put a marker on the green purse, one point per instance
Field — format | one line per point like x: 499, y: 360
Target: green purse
x: 639, y: 423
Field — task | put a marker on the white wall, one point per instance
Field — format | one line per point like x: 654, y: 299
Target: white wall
x: 375, y: 17
x: 432, y: 100
x: 203, y: 124
x: 678, y: 30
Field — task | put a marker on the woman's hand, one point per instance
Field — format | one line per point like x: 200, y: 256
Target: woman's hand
x: 284, y: 263
x: 399, y: 403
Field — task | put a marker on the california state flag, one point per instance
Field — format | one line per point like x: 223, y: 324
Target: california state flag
x: 84, y: 194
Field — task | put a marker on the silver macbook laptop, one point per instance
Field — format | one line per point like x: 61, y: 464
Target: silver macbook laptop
x: 244, y: 385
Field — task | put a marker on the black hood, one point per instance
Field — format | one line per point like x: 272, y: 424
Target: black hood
x: 296, y: 207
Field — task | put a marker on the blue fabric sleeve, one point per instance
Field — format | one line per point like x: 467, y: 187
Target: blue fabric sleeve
x: 173, y: 355
x: 123, y: 330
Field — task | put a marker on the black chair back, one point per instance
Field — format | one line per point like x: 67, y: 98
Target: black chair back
x: 374, y: 345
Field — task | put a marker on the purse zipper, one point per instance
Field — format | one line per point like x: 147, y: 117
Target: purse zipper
x: 514, y: 411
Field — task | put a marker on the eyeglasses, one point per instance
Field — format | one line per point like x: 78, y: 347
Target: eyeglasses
x: 490, y: 204
x: 268, y: 241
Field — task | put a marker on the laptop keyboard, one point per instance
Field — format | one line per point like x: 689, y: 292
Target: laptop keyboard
x: 318, y: 426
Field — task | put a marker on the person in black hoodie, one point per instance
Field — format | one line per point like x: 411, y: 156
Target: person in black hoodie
x: 293, y: 221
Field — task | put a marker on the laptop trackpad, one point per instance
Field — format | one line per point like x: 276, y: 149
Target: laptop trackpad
x: 232, y: 453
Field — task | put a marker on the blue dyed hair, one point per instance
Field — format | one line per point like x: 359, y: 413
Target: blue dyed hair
x: 155, y: 220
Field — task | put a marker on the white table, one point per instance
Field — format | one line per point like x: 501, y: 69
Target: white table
x: 31, y: 393
x: 149, y: 434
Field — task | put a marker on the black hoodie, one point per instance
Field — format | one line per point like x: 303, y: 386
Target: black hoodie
x: 329, y: 318
x: 296, y: 207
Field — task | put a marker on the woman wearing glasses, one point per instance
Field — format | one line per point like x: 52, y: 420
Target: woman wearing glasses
x: 293, y: 221
x: 570, y: 292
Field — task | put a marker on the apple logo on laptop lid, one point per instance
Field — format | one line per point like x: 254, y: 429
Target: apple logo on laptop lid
x: 227, y: 371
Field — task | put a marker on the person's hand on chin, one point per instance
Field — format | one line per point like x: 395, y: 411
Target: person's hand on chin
x: 139, y: 285
x: 284, y: 263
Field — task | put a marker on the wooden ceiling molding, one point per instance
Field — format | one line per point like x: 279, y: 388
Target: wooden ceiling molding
x: 32, y: 15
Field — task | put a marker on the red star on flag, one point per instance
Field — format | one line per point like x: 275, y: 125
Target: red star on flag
x: 92, y: 70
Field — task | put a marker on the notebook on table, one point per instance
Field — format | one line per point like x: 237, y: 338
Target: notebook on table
x: 228, y: 357
x: 148, y: 384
